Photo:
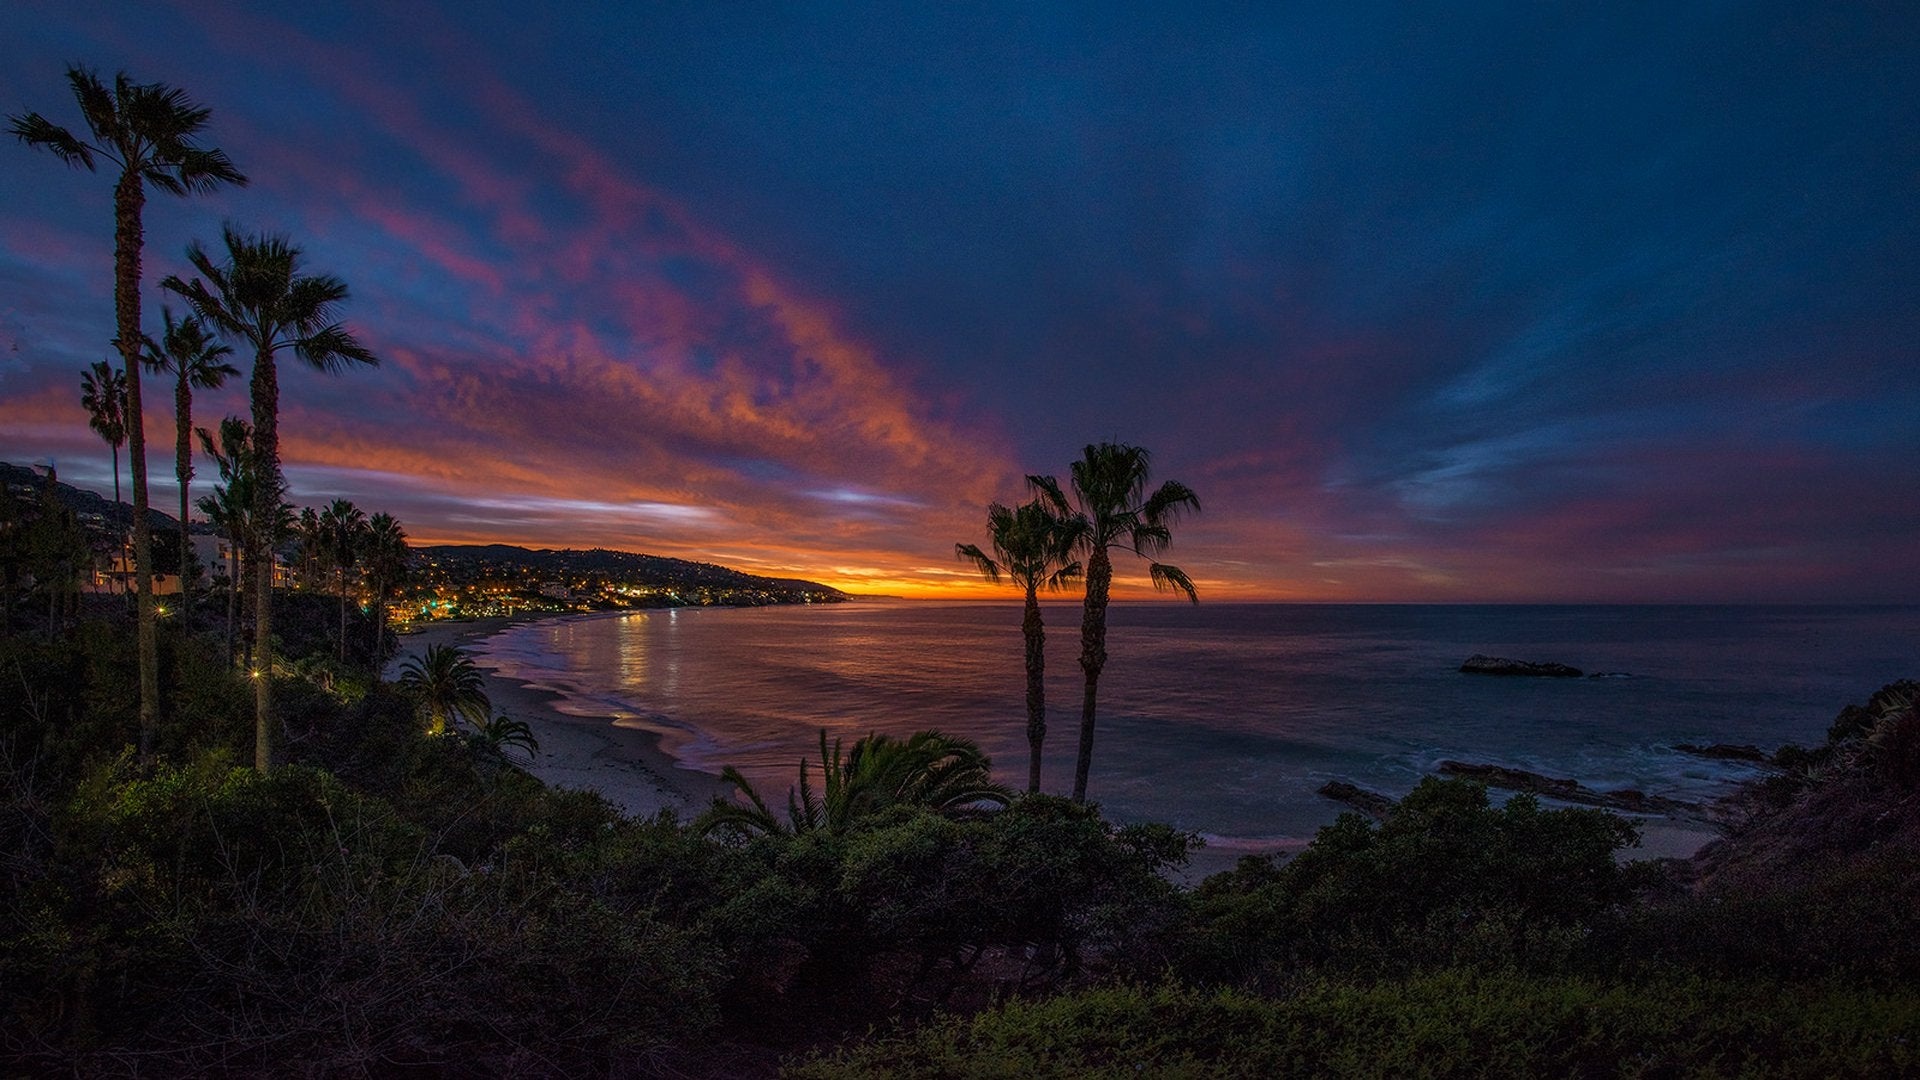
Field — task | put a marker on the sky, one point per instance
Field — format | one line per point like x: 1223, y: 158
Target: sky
x: 1523, y: 302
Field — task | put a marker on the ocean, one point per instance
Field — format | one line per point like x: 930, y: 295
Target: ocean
x: 1226, y: 718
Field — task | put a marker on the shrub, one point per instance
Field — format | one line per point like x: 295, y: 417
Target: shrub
x: 1446, y: 879
x: 1437, y: 1025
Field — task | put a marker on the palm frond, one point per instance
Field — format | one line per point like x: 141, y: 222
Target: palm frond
x: 333, y: 349
x: 980, y: 560
x: 1049, y: 489
x: 1168, y: 502
x: 1172, y: 578
x: 36, y: 130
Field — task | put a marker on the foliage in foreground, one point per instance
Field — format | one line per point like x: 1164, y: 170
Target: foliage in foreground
x: 1444, y: 1024
x: 396, y: 899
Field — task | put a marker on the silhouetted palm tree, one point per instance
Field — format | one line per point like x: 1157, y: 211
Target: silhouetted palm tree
x: 1110, y: 490
x: 151, y: 131
x: 190, y: 354
x: 260, y: 297
x: 942, y: 773
x: 310, y: 534
x: 230, y: 507
x: 103, y: 393
x: 386, y: 566
x: 343, y: 525
x: 1034, y: 548
x: 448, y: 686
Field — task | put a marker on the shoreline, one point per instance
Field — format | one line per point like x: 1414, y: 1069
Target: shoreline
x: 624, y: 765
x: 628, y: 767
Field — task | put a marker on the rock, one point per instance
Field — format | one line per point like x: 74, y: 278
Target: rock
x: 1371, y: 803
x: 1609, y: 675
x: 1727, y: 752
x: 1573, y: 791
x: 1478, y: 664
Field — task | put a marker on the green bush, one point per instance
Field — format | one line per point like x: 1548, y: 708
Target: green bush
x: 1446, y: 879
x: 1444, y: 1024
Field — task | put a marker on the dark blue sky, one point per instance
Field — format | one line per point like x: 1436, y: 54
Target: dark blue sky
x: 1517, y: 302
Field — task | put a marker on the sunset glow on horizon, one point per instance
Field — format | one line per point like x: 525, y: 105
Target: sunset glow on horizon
x: 1528, y: 306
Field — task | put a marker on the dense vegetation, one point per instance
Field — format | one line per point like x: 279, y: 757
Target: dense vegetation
x: 391, y: 898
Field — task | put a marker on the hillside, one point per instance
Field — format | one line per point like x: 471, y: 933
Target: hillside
x: 476, y: 562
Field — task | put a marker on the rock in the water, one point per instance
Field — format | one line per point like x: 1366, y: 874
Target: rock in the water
x: 1371, y: 803
x: 1727, y: 752
x: 1478, y: 664
x: 1573, y: 791
x: 1609, y: 675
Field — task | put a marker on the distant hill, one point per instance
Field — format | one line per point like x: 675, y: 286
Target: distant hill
x: 93, y: 510
x: 653, y: 570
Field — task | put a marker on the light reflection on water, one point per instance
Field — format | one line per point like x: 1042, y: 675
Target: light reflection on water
x: 1226, y: 718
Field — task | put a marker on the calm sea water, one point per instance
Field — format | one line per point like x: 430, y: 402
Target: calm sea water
x: 1225, y: 718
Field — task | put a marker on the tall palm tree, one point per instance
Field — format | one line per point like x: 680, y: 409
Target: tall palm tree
x: 1034, y: 548
x: 343, y: 524
x: 151, y: 131
x: 1110, y: 492
x: 449, y: 687
x: 942, y: 773
x: 103, y: 393
x: 260, y: 297
x: 386, y: 566
x: 189, y: 353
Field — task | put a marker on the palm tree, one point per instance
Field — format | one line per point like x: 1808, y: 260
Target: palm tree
x: 151, y: 131
x: 260, y: 297
x: 449, y: 687
x: 386, y: 565
x: 1110, y: 491
x: 941, y: 773
x: 103, y: 393
x: 343, y: 525
x: 1034, y: 548
x: 499, y: 734
x: 230, y: 507
x: 310, y: 534
x: 188, y: 352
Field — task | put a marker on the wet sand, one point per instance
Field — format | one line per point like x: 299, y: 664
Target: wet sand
x: 625, y: 765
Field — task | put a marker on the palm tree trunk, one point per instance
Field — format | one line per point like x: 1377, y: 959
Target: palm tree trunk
x: 183, y: 472
x: 233, y: 591
x: 116, y: 475
x: 129, y: 198
x: 1036, y: 635
x: 1093, y: 657
x: 266, y: 506
x: 343, y: 613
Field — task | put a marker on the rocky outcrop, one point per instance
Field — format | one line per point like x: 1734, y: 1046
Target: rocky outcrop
x: 1371, y: 803
x: 1573, y: 791
x: 1726, y: 752
x: 1838, y: 810
x: 1479, y: 664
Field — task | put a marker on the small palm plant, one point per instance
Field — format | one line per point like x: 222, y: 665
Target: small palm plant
x: 942, y: 773
x: 503, y: 733
x: 448, y: 686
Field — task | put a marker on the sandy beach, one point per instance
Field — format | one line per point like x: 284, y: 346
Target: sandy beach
x: 625, y: 765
